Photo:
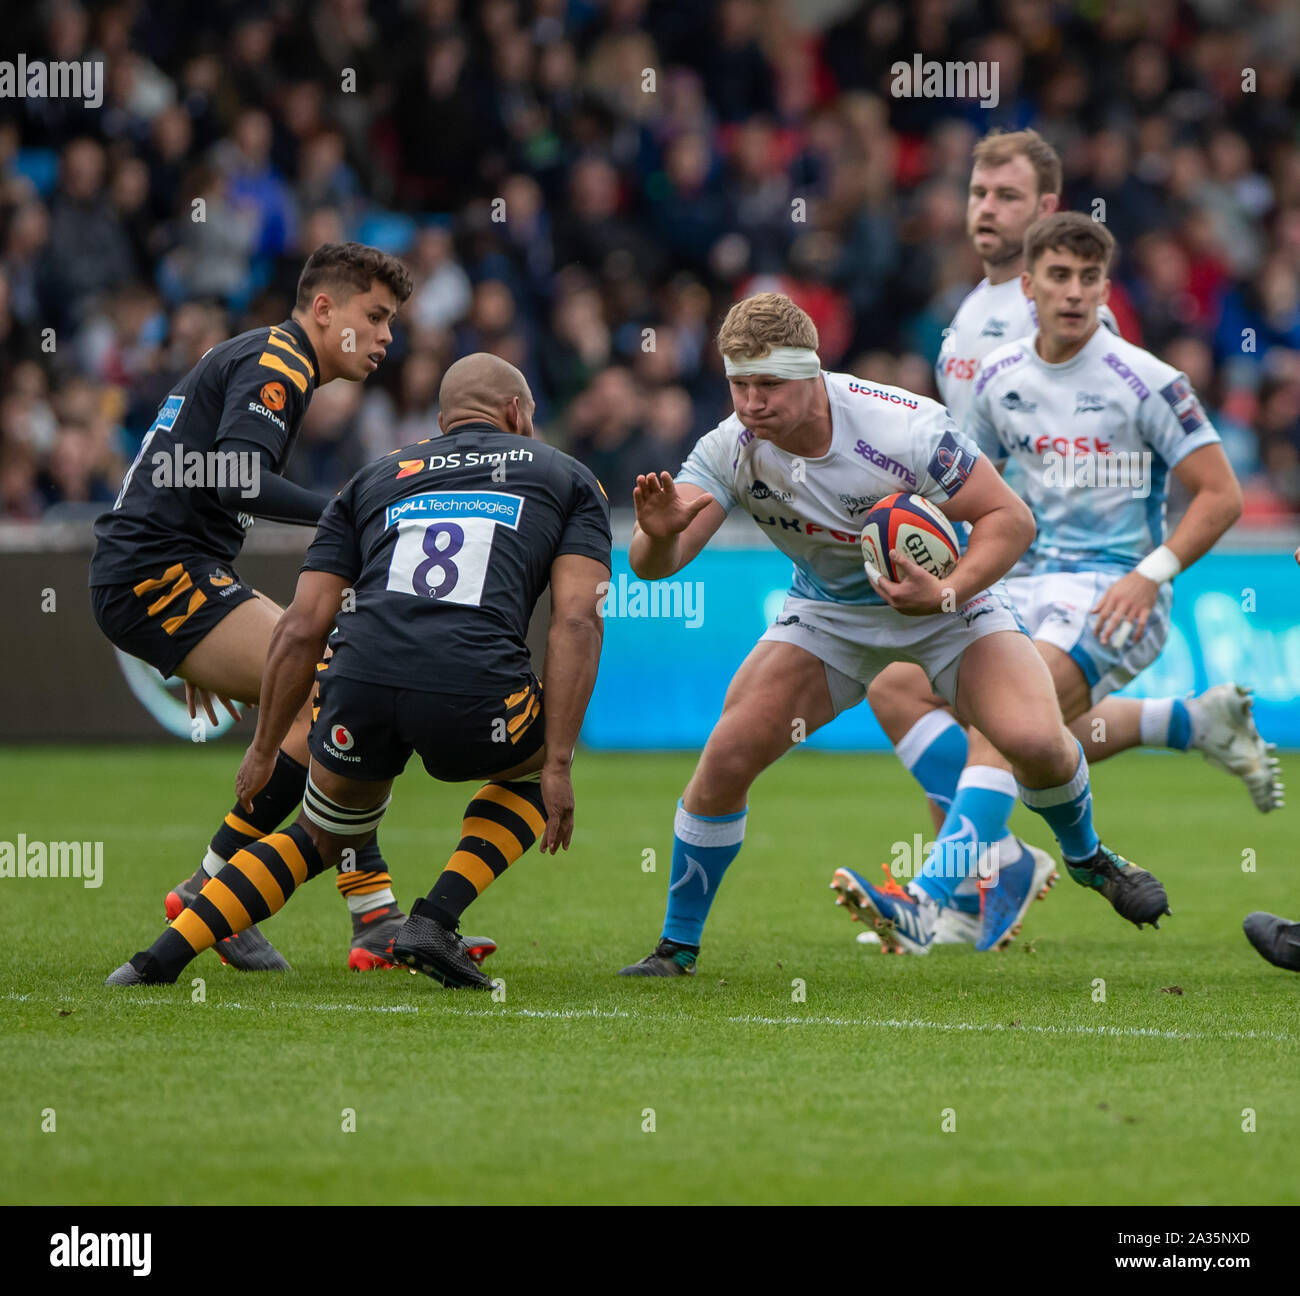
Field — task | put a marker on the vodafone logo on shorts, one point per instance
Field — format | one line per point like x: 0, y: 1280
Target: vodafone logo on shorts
x: 341, y: 738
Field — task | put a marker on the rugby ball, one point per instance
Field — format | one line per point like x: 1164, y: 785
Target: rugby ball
x: 913, y: 526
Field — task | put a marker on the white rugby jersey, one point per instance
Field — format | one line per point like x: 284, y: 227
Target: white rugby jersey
x: 990, y: 316
x: 883, y: 440
x: 1095, y: 438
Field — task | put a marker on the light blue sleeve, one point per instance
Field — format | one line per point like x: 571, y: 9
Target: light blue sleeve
x: 979, y: 428
x: 710, y: 466
x: 1172, y: 420
x: 942, y: 456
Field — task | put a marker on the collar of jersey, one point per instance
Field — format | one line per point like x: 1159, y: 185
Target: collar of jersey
x: 299, y: 333
x: 1079, y: 357
x: 479, y: 425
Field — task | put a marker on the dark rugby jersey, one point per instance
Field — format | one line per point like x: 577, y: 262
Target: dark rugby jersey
x: 253, y: 388
x: 447, y: 563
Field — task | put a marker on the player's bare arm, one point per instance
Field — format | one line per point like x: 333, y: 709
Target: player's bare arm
x: 673, y: 523
x: 1002, y: 528
x: 296, y: 646
x: 1215, y: 505
x: 572, y: 658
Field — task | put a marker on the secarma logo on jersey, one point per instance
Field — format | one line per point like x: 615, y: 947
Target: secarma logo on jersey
x: 882, y: 460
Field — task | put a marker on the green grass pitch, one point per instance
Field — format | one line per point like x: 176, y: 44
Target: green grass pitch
x: 756, y: 1094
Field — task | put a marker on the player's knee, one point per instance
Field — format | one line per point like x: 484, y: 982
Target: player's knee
x: 1039, y: 755
x: 725, y: 773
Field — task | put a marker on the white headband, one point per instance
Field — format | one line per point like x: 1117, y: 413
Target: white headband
x: 780, y: 362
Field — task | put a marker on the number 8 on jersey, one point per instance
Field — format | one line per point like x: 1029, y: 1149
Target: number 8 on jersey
x: 444, y: 542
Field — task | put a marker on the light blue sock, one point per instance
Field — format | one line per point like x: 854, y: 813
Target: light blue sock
x: 1068, y: 811
x: 1165, y: 722
x: 978, y: 818
x: 933, y: 751
x: 703, y: 847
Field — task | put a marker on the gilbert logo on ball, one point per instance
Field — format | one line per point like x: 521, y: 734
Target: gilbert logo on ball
x: 341, y: 738
x: 910, y: 525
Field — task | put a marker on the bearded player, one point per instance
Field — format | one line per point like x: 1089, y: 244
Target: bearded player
x: 163, y: 583
x: 1016, y: 180
x: 827, y: 439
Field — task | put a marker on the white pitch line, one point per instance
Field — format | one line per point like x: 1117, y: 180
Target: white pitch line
x: 894, y: 1023
x: 554, y: 1014
x: 580, y: 1014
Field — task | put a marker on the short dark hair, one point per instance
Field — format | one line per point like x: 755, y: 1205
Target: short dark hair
x: 1069, y: 232
x: 350, y: 268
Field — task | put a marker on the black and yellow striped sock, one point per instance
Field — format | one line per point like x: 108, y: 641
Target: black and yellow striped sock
x: 367, y: 884
x: 501, y: 823
x: 271, y: 806
x: 249, y: 889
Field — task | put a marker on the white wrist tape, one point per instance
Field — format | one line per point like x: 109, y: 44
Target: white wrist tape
x: 1160, y: 565
x: 780, y: 362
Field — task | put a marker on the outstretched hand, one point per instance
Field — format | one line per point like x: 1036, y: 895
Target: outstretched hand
x: 660, y: 511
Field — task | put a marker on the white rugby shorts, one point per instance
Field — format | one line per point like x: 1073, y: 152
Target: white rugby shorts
x: 1056, y: 607
x: 857, y: 641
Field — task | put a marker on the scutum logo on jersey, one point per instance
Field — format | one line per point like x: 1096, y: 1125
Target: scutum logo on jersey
x: 273, y: 395
x: 341, y: 737
x: 266, y: 413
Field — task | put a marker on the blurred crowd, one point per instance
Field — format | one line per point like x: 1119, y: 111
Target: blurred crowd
x: 583, y: 186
